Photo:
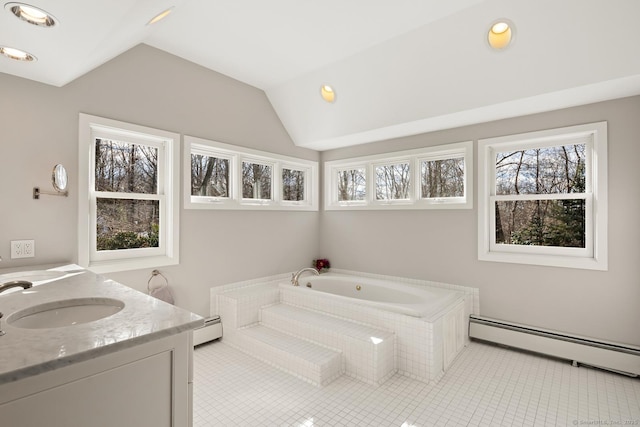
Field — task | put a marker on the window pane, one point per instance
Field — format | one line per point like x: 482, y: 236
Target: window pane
x: 549, y: 170
x: 292, y: 185
x: 127, y: 224
x: 209, y: 176
x: 559, y: 223
x: 392, y: 181
x: 442, y: 178
x: 351, y: 185
x: 256, y: 181
x: 126, y: 168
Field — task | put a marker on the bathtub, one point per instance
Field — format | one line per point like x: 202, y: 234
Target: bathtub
x: 423, y: 302
x: 430, y: 321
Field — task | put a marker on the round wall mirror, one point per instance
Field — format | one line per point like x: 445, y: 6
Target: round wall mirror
x: 59, y: 178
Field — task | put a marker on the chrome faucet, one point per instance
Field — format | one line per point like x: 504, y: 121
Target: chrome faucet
x: 15, y: 284
x: 296, y: 276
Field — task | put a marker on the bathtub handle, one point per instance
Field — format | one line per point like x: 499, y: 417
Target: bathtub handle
x: 296, y: 276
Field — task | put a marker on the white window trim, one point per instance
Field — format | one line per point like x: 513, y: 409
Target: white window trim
x: 414, y: 157
x: 595, y: 255
x: 168, y: 194
x: 236, y: 156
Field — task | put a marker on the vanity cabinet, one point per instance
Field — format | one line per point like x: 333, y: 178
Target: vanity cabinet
x: 148, y: 384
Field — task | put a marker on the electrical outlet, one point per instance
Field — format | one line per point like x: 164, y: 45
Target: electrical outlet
x: 29, y: 248
x: 23, y: 249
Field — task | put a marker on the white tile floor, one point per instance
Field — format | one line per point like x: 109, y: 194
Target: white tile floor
x: 486, y: 386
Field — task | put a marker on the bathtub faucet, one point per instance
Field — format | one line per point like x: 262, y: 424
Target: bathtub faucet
x: 296, y: 276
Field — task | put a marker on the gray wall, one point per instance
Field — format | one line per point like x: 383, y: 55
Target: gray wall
x: 145, y: 86
x: 441, y: 245
x: 39, y: 128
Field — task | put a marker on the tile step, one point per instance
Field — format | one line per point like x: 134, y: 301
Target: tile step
x: 311, y: 362
x: 324, y: 323
x: 368, y: 353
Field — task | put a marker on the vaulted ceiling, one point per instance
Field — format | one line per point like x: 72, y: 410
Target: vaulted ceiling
x: 398, y: 67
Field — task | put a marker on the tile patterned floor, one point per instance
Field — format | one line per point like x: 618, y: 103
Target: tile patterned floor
x: 486, y: 386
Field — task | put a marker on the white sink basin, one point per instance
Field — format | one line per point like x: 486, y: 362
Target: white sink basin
x: 58, y: 314
x: 32, y: 276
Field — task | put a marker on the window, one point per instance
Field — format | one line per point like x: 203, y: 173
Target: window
x: 351, y: 184
x: 223, y: 176
x: 210, y: 176
x: 428, y: 178
x: 393, y: 181
x: 293, y: 184
x: 129, y: 216
x: 543, y: 198
x: 257, y: 180
x: 442, y: 178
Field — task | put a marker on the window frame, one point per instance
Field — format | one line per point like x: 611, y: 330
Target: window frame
x: 594, y: 255
x: 438, y: 157
x: 292, y: 167
x: 230, y: 157
x: 392, y: 163
x: 168, y: 144
x: 262, y: 161
x: 237, y: 156
x: 414, y: 157
x: 332, y: 177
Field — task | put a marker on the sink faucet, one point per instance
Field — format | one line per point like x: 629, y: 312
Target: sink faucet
x: 15, y: 284
x: 296, y: 276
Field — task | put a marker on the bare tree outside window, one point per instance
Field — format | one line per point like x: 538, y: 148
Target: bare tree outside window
x: 256, y: 181
x: 545, y: 220
x: 351, y: 185
x: 209, y: 176
x: 442, y: 178
x: 292, y: 185
x: 392, y: 181
x: 122, y: 167
x: 126, y: 168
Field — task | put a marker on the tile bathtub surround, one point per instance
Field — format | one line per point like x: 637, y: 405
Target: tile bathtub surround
x: 418, y: 345
x: 485, y: 386
x: 240, y: 307
x: 272, y: 280
x: 414, y: 336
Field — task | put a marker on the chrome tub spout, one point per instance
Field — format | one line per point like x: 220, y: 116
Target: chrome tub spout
x: 296, y: 276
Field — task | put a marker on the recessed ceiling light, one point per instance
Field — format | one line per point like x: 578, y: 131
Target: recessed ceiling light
x: 327, y: 93
x: 500, y: 34
x: 31, y: 14
x: 160, y: 16
x: 17, y: 54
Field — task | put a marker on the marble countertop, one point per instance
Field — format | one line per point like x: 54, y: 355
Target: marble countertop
x: 26, y: 352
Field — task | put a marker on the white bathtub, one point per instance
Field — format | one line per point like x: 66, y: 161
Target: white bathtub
x: 430, y: 322
x: 424, y: 302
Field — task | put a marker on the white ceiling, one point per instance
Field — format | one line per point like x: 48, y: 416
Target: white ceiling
x: 399, y: 67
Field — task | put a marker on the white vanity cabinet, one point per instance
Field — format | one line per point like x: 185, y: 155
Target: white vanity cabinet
x: 145, y: 385
x: 67, y: 368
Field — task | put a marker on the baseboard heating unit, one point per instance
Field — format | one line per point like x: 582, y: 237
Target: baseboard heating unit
x: 211, y: 330
x: 620, y: 358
